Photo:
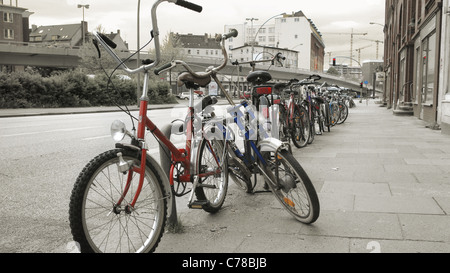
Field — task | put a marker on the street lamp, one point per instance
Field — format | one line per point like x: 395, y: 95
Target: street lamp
x: 254, y: 38
x: 373, y: 23
x: 82, y: 23
x: 256, y: 35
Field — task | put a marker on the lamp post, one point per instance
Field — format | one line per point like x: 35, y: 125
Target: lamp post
x: 82, y: 23
x: 254, y: 37
x: 373, y: 23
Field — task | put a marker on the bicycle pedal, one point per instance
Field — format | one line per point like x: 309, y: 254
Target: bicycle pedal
x: 206, y: 186
x: 198, y: 204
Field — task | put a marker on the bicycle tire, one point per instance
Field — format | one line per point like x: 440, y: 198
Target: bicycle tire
x: 95, y: 218
x: 334, y: 109
x: 319, y: 120
x: 300, y: 198
x: 326, y: 114
x: 343, y: 113
x: 300, y: 127
x: 312, y: 126
x: 283, y: 135
x: 212, y: 188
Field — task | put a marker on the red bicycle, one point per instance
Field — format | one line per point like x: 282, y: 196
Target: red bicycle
x: 121, y: 199
x: 293, y: 119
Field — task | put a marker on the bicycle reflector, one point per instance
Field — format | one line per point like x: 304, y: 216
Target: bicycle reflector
x: 264, y: 90
x: 118, y: 130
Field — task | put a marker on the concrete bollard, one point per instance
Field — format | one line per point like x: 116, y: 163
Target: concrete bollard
x: 165, y: 164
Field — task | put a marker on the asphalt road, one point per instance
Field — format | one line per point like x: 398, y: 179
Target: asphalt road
x: 40, y: 159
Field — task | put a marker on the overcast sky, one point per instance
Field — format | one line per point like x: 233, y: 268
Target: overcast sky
x: 330, y: 16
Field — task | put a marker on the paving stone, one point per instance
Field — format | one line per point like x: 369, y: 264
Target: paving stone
x: 397, y: 204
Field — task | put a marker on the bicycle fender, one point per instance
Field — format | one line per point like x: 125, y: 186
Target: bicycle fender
x: 273, y: 145
x: 159, y: 172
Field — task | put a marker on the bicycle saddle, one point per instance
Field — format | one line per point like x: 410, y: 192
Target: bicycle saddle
x: 259, y: 77
x: 190, y: 81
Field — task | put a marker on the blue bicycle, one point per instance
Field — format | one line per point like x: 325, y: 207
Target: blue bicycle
x: 262, y: 156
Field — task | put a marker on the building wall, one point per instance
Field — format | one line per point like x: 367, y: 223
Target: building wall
x: 412, y: 50
x: 294, y: 32
x: 444, y: 77
x: 16, y: 25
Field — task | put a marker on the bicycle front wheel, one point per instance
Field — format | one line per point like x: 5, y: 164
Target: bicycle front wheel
x: 99, y: 224
x: 292, y: 186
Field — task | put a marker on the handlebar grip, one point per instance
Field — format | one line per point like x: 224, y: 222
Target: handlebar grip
x: 233, y: 33
x: 164, y: 67
x: 189, y: 5
x: 281, y: 56
x: 107, y: 41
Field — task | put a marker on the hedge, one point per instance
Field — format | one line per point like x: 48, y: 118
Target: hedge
x: 72, y: 89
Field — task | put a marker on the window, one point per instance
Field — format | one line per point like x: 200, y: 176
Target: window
x: 9, y: 34
x: 8, y: 17
x: 429, y: 69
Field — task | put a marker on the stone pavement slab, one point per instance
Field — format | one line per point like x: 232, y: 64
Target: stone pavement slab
x: 383, y: 183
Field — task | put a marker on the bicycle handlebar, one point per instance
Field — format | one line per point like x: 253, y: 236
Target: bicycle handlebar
x: 189, y: 5
x: 278, y: 57
x: 108, y: 45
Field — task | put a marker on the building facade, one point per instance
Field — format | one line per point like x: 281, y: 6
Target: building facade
x: 444, y: 73
x: 204, y: 46
x: 14, y: 22
x: 293, y: 32
x: 416, y: 54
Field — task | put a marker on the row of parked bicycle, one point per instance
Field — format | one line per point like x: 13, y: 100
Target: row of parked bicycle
x: 297, y: 110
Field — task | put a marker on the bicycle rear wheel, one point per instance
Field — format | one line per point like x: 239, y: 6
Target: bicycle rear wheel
x: 343, y: 110
x: 300, y: 129
x: 335, y: 113
x: 292, y: 186
x: 99, y: 224
x: 212, y: 188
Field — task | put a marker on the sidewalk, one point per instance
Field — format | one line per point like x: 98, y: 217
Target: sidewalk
x: 383, y: 183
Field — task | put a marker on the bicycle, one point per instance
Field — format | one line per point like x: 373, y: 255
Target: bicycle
x: 261, y: 154
x: 309, y: 104
x: 120, y: 200
x: 294, y: 119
